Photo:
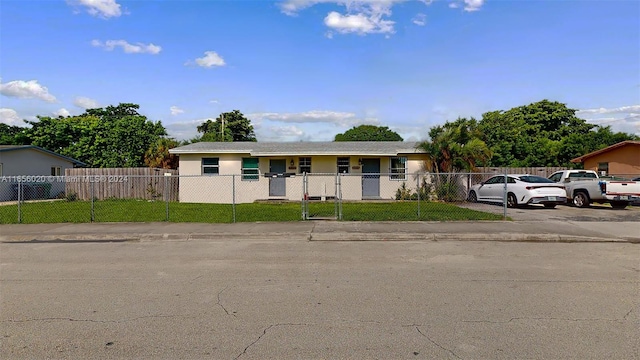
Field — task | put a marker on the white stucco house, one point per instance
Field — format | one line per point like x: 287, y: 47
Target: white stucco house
x: 33, y: 166
x: 275, y: 171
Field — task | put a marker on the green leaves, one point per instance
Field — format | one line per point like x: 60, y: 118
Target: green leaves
x: 230, y: 126
x: 545, y: 133
x: 455, y: 146
x: 116, y: 136
x: 368, y: 133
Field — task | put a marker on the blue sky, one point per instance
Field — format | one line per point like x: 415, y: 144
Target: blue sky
x: 307, y: 70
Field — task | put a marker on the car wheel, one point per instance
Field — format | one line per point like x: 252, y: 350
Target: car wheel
x: 472, y: 197
x: 619, y: 205
x: 581, y: 199
x: 511, y: 200
x: 550, y: 206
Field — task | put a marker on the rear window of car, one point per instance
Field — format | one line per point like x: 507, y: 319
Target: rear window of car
x: 535, y: 179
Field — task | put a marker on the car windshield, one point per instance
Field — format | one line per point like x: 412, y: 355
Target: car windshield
x: 535, y: 179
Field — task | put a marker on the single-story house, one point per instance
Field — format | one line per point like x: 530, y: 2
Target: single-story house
x: 34, y: 167
x: 621, y: 159
x: 274, y: 171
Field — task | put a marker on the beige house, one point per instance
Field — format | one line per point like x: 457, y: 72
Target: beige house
x: 34, y: 167
x: 295, y: 170
x: 621, y: 159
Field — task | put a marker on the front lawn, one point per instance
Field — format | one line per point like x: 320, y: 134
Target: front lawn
x: 151, y: 211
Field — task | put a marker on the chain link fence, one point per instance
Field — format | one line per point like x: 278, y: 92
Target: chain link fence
x: 247, y: 198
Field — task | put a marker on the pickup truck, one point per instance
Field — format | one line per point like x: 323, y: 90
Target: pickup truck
x: 584, y: 187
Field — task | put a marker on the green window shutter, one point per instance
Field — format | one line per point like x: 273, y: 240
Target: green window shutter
x: 250, y: 163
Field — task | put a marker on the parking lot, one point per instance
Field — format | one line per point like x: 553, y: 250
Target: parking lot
x: 562, y: 213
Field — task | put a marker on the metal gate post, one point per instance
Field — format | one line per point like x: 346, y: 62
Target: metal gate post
x: 419, y: 193
x: 93, y: 213
x: 233, y: 206
x: 339, y: 192
x: 19, y: 201
x: 305, y: 195
x: 504, y: 198
x: 166, y: 197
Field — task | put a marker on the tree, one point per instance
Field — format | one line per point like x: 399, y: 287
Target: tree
x: 116, y: 136
x: 368, y: 133
x: 545, y: 133
x: 455, y: 146
x: 158, y: 156
x: 236, y: 127
x: 13, y: 135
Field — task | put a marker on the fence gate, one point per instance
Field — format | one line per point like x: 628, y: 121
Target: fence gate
x: 321, y: 197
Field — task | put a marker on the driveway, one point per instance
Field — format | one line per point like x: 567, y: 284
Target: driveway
x: 561, y: 213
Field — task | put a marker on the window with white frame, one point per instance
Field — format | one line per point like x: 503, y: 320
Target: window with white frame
x: 210, y: 166
x: 304, y: 165
x: 398, y: 168
x: 343, y: 165
x: 55, y: 171
x: 250, y: 168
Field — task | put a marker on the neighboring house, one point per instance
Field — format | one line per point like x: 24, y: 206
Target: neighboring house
x: 274, y: 171
x: 621, y: 159
x: 34, y: 166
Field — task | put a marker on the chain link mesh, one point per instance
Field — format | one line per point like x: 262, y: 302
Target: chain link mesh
x: 246, y: 198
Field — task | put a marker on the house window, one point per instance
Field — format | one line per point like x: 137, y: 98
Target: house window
x: 210, y: 166
x: 55, y: 171
x: 343, y: 165
x: 304, y: 165
x: 398, y: 168
x: 250, y: 169
x: 603, y: 168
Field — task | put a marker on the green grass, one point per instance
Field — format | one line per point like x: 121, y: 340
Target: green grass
x: 150, y: 211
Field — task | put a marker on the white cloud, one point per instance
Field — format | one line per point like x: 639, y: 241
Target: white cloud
x: 101, y: 8
x: 210, y: 59
x: 26, y: 90
x: 184, y: 130
x: 214, y: 101
x: 62, y: 112
x: 365, y: 16
x: 358, y: 23
x: 137, y: 48
x: 286, y: 131
x: 176, y: 110
x: 9, y: 116
x: 624, y: 119
x: 473, y: 5
x: 467, y: 5
x: 85, y: 103
x: 420, y: 19
x: 315, y: 116
x: 618, y: 110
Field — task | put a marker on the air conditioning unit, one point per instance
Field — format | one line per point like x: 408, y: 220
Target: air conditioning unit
x: 603, y: 173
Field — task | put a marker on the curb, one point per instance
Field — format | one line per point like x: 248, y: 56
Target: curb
x: 498, y: 237
x: 320, y: 237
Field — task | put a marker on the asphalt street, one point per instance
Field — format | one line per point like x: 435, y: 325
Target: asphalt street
x: 297, y: 299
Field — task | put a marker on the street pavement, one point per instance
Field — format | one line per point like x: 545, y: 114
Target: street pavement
x: 544, y: 231
x: 264, y: 291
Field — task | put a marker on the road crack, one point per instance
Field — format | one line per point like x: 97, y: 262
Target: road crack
x: 438, y: 345
x: 264, y: 332
x: 222, y: 306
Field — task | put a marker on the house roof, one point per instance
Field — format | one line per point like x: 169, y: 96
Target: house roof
x: 5, y: 148
x: 364, y: 148
x: 607, y: 149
